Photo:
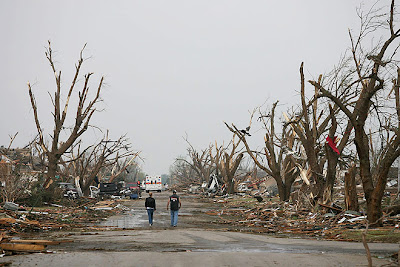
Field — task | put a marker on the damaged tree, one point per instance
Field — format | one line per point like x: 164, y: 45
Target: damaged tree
x: 311, y: 126
x: 87, y: 164
x: 84, y: 112
x: 350, y: 189
x: 228, y: 163
x: 200, y: 162
x: 279, y: 165
x: 366, y: 81
x: 182, y: 173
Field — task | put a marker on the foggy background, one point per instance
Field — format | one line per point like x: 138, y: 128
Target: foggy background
x: 172, y: 68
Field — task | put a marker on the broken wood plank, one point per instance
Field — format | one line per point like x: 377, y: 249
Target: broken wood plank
x: 392, y: 210
x: 29, y: 222
x: 330, y: 207
x: 21, y: 247
x: 7, y: 220
x: 35, y: 241
x: 2, y: 236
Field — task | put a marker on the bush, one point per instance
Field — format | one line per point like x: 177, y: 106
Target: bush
x: 39, y: 195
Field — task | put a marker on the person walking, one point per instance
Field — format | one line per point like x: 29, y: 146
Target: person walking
x: 150, y: 205
x: 175, y: 202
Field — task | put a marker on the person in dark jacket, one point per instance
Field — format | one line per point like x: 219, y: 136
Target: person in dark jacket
x: 175, y: 203
x: 150, y: 205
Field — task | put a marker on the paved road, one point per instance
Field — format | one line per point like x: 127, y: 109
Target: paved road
x: 192, y: 243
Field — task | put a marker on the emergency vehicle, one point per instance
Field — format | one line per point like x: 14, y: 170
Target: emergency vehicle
x: 153, y: 183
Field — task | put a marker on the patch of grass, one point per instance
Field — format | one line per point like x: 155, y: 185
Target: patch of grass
x: 373, y: 235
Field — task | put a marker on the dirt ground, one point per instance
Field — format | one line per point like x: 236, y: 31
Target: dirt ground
x: 128, y: 240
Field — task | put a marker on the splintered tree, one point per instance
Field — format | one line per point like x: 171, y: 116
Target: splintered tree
x: 274, y: 160
x: 85, y: 109
x: 182, y: 173
x: 227, y: 161
x: 200, y: 162
x: 375, y: 113
x: 316, y: 130
x: 89, y: 162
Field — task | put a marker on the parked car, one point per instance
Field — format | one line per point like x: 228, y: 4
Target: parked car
x: 132, y: 186
x: 69, y: 190
x: 133, y: 189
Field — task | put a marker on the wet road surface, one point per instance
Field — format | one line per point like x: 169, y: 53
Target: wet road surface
x: 130, y: 241
x: 136, y: 216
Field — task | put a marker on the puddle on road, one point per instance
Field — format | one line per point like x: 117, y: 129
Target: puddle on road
x: 130, y: 219
x: 137, y: 218
x: 258, y: 250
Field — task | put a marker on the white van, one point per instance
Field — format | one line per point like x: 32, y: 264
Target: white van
x: 153, y: 183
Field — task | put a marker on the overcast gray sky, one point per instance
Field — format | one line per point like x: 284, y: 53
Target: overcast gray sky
x: 171, y: 67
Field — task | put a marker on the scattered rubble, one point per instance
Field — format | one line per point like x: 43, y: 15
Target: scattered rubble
x: 16, y: 221
x: 245, y: 213
x: 10, y: 245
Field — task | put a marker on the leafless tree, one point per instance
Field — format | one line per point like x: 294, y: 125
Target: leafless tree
x: 278, y: 152
x: 227, y: 161
x: 199, y: 161
x: 84, y: 112
x: 317, y: 132
x: 374, y: 105
x: 182, y: 173
x: 89, y: 162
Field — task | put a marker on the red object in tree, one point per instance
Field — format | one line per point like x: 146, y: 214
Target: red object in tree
x: 332, y: 144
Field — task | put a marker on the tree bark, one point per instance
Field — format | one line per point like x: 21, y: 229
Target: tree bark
x: 350, y: 189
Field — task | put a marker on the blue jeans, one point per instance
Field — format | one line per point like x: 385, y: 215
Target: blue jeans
x: 150, y: 214
x: 174, y: 217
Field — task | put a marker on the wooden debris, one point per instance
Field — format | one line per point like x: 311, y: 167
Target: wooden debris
x: 58, y: 216
x: 7, y: 220
x: 331, y: 207
x: 2, y: 236
x: 22, y: 247
x: 392, y: 210
x: 288, y: 219
x: 37, y: 242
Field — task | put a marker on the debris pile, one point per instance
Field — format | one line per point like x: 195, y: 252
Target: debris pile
x: 11, y: 246
x: 17, y: 221
x: 286, y: 219
x: 56, y: 217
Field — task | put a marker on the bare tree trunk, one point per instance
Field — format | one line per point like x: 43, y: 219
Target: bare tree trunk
x: 284, y: 192
x: 231, y: 186
x: 52, y: 167
x: 231, y: 166
x: 350, y: 190
x: 330, y: 177
x: 332, y: 159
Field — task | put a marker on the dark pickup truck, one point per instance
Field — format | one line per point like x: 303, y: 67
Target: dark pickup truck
x: 109, y: 189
